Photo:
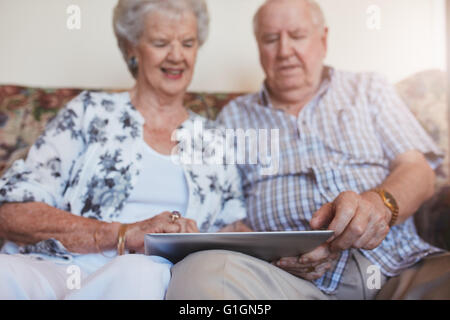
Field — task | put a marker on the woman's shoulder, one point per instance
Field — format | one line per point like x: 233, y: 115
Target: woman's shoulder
x: 103, y: 100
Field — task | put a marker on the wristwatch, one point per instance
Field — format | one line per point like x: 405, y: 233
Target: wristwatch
x: 389, y: 201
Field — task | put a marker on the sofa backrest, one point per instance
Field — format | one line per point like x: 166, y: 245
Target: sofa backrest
x: 24, y: 112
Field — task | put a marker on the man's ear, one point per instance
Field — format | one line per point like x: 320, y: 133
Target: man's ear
x: 325, y: 40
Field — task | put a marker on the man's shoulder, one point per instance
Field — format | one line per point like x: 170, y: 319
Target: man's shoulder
x: 242, y: 103
x: 244, y: 100
x: 364, y: 78
x: 358, y: 76
x: 355, y: 83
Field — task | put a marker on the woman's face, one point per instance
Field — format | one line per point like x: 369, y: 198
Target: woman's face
x: 166, y: 52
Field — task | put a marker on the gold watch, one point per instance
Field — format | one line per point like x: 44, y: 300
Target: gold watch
x: 389, y: 201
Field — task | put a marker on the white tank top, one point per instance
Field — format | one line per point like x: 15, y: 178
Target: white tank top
x: 161, y: 186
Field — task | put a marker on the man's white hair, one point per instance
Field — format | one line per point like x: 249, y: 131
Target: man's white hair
x: 316, y: 13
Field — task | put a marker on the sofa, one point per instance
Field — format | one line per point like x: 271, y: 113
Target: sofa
x: 24, y: 112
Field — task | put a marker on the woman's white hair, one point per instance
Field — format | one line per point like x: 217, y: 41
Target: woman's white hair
x: 316, y: 13
x: 129, y: 20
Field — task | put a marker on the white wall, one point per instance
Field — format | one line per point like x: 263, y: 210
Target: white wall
x: 36, y: 47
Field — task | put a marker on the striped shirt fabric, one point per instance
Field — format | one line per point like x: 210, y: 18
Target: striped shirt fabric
x: 343, y: 140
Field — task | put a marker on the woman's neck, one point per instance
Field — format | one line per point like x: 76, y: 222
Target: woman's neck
x: 158, y: 110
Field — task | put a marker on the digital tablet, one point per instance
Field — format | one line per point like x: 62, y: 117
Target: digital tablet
x: 269, y: 246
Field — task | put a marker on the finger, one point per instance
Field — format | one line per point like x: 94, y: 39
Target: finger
x: 287, y: 262
x: 368, y: 235
x: 322, y: 217
x: 192, y: 226
x: 318, y: 254
x: 166, y: 215
x: 307, y: 269
x: 169, y: 227
x: 182, y: 222
x: 314, y: 275
x: 379, y: 236
x: 345, y: 207
x: 356, y: 229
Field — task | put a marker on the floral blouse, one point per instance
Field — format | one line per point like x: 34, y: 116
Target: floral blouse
x: 88, y: 159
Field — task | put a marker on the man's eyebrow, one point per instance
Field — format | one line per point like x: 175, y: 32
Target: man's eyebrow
x: 299, y: 30
x: 270, y: 34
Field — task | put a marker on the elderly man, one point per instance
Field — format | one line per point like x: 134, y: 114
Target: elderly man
x: 352, y: 159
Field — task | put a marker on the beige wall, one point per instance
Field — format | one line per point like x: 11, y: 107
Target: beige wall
x: 38, y: 49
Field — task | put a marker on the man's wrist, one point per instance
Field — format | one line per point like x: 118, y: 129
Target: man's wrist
x: 375, y: 199
x: 390, y: 203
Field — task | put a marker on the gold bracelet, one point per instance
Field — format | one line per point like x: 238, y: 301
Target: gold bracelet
x: 98, y: 247
x: 390, y: 202
x: 121, y: 239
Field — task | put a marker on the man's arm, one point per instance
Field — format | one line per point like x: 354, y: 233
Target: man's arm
x: 362, y: 220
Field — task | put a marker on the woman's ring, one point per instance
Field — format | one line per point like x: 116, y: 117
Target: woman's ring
x: 175, y: 216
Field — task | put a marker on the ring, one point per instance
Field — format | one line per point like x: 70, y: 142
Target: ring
x: 175, y: 216
x: 310, y: 269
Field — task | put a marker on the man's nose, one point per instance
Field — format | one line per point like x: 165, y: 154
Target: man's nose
x: 284, y: 47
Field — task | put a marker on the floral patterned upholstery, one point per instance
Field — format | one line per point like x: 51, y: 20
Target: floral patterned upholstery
x: 24, y: 113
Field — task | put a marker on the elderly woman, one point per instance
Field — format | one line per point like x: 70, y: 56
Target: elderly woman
x: 103, y: 173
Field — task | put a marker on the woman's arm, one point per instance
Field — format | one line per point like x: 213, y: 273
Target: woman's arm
x: 29, y: 223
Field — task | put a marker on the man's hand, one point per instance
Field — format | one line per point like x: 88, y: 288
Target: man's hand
x: 310, y: 266
x: 358, y: 221
x: 237, y: 226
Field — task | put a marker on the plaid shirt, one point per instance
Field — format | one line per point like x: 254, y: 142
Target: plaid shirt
x: 344, y: 139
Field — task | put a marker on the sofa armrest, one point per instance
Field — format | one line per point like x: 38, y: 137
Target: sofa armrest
x: 433, y: 219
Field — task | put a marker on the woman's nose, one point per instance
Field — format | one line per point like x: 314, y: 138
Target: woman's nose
x: 175, y: 53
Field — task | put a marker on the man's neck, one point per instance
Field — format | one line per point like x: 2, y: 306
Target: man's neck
x: 291, y: 102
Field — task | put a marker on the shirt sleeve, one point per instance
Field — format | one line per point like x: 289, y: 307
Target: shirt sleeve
x: 45, y: 174
x: 399, y: 131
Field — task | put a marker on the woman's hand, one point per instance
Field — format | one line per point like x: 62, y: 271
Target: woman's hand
x: 162, y: 223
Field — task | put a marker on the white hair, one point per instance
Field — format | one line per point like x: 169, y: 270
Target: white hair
x: 316, y: 12
x: 129, y: 15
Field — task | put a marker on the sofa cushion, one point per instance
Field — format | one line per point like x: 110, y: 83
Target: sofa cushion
x: 426, y: 95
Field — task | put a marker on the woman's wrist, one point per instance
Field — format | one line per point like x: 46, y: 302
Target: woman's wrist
x: 106, y: 235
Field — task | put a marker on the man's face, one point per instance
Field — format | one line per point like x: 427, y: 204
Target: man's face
x: 292, y: 48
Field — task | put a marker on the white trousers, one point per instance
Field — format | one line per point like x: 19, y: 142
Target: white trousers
x: 89, y: 276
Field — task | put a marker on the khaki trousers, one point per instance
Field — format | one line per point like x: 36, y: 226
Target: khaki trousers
x: 226, y: 275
